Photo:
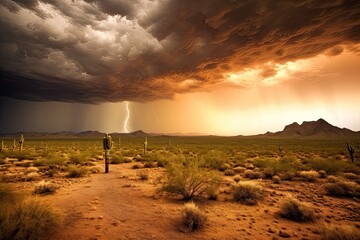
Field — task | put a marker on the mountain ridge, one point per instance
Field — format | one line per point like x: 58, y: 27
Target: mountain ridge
x: 317, y: 128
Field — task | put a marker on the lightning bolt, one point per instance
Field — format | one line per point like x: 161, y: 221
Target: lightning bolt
x: 126, y: 122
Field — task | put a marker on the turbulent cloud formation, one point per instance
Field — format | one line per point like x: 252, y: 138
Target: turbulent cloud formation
x: 95, y: 51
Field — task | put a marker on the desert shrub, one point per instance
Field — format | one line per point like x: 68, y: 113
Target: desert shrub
x: 25, y: 218
x: 94, y: 170
x: 76, y: 171
x: 32, y: 169
x: 239, y: 169
x: 44, y: 188
x: 162, y: 163
x: 329, y: 165
x: 351, y: 176
x: 78, y: 158
x: 332, y: 179
x: 288, y: 175
x: 248, y: 193
x: 229, y: 172
x: 192, y: 217
x: 149, y: 165
x: 31, y: 176
x: 137, y: 166
x: 237, y: 179
x: 144, y: 175
x: 117, y: 159
x: 309, y: 176
x: 322, y: 173
x: 276, y: 179
x: 188, y: 179
x: 286, y: 167
x: 214, y: 159
x: 345, y: 189
x: 293, y: 209
x: 253, y: 174
x: 339, y: 232
x: 269, y: 173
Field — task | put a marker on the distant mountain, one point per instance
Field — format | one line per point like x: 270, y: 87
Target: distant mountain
x: 85, y: 134
x: 319, y: 128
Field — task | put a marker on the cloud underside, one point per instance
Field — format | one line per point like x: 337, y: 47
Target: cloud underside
x: 97, y: 51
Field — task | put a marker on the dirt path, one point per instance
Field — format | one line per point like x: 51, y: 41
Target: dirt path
x: 115, y: 206
x: 119, y: 205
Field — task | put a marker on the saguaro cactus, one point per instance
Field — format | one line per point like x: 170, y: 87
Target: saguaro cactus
x: 351, y: 151
x: 145, y: 145
x: 107, y: 145
x: 21, y: 142
x: 14, y: 145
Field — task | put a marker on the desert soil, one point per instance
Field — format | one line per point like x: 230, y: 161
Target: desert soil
x: 118, y: 205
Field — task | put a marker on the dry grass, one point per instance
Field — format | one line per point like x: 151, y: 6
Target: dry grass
x: 293, y: 209
x: 192, y: 218
x: 276, y: 179
x: 45, y: 187
x: 309, y: 176
x: 25, y: 218
x: 340, y: 232
x: 144, y: 175
x: 341, y: 188
x: 76, y: 171
x: 248, y: 193
x: 253, y: 174
x: 229, y: 172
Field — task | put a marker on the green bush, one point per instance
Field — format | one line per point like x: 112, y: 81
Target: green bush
x: 248, y: 193
x: 329, y: 165
x: 214, y: 159
x: 188, y: 179
x: 292, y: 209
x: 76, y: 171
x: 117, y: 159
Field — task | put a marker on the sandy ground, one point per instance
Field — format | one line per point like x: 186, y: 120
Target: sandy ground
x: 119, y: 205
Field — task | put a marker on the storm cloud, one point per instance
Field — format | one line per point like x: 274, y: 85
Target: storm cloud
x: 97, y: 51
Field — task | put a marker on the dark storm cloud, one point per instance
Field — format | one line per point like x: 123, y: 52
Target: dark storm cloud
x: 95, y: 51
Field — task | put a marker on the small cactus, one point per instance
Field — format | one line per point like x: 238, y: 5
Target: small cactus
x: 351, y: 151
x: 21, y: 142
x: 280, y: 149
x: 107, y: 145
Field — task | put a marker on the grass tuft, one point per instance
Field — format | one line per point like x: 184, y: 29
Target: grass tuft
x: 248, y: 193
x: 192, y: 218
x: 293, y: 209
x: 339, y: 232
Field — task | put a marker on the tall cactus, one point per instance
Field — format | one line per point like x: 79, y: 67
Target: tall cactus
x: 21, y: 142
x: 14, y: 145
x: 145, y: 145
x: 107, y: 145
x: 351, y: 151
